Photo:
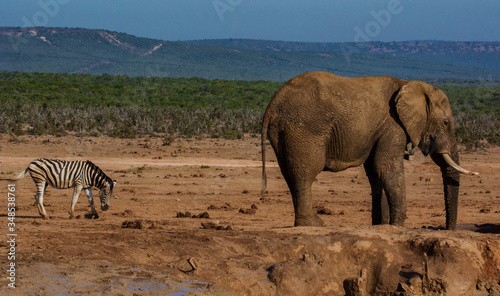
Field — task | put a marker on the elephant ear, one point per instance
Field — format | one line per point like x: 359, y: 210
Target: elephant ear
x: 413, y: 107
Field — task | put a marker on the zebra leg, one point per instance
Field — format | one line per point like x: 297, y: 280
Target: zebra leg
x: 88, y: 191
x: 76, y: 194
x: 40, y: 190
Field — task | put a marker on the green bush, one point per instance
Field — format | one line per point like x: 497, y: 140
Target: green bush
x: 477, y: 130
x: 127, y: 107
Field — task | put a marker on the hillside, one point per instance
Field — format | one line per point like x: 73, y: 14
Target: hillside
x: 471, y: 54
x: 83, y: 51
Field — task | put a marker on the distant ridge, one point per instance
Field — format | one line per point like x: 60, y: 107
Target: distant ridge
x: 404, y: 47
x: 474, y: 53
x: 86, y: 51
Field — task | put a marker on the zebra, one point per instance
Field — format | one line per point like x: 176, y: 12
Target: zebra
x: 63, y: 174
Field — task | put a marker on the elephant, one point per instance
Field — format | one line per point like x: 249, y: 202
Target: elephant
x: 319, y: 121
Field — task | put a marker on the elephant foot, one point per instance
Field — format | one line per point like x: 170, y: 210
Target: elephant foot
x: 45, y: 217
x: 314, y: 221
x: 380, y: 221
x: 399, y: 223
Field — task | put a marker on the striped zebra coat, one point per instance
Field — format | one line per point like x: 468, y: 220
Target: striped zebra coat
x: 63, y: 174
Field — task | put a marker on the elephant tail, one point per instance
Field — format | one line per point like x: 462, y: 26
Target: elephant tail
x: 265, y: 124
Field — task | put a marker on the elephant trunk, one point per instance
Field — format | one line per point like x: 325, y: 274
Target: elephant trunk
x: 451, y: 170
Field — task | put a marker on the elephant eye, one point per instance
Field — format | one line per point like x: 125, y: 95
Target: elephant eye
x: 446, y: 122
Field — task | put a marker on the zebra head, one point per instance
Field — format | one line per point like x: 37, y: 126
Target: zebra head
x: 105, y: 194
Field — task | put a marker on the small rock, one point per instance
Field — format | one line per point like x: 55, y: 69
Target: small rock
x: 137, y: 224
x: 203, y: 215
x: 212, y: 225
x: 248, y: 211
x: 183, y: 215
x: 324, y: 211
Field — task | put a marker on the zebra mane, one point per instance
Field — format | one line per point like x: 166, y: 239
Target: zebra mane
x: 98, y: 170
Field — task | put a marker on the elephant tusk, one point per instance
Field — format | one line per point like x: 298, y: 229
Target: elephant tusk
x: 451, y: 163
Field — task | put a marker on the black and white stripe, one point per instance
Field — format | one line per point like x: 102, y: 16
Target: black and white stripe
x: 63, y: 174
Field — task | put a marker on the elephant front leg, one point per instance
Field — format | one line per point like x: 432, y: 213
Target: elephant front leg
x: 387, y: 176
x: 380, y: 207
x: 388, y: 171
x: 396, y: 198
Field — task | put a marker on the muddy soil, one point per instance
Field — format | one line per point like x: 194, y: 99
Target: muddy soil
x: 188, y: 218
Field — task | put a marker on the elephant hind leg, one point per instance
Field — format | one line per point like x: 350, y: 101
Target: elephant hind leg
x: 302, y: 203
x: 299, y: 177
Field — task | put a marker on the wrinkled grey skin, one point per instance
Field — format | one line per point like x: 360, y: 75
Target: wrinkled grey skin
x: 319, y: 121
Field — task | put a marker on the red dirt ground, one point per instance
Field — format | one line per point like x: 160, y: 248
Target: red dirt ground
x: 245, y: 244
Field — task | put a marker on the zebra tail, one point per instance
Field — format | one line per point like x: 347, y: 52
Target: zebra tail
x: 20, y: 176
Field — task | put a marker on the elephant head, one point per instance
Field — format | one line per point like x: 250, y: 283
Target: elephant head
x: 425, y: 113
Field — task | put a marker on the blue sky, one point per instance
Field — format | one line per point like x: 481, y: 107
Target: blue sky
x: 290, y: 20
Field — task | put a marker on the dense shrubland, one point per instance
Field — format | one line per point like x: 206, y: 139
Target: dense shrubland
x: 120, y: 106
